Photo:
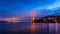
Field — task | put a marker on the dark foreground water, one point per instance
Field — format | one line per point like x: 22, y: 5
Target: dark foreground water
x: 29, y: 28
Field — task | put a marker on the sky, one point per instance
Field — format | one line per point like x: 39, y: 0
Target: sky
x: 9, y: 8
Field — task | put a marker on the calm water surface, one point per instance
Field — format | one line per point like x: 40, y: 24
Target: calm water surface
x: 29, y: 28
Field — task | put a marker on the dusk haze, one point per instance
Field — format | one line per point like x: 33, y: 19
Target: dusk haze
x: 29, y: 16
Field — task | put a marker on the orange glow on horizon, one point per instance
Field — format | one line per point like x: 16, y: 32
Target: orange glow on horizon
x: 8, y: 20
x: 14, y: 20
x: 33, y: 16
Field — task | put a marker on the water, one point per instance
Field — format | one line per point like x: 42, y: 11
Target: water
x: 29, y: 28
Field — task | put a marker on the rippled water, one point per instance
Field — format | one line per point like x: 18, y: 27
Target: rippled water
x: 29, y: 28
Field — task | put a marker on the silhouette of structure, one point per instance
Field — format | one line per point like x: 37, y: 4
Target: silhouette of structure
x: 48, y: 19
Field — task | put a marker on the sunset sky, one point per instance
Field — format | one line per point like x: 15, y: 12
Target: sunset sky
x: 25, y: 7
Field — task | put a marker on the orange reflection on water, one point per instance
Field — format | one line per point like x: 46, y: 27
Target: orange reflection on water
x: 56, y: 28
x: 33, y: 28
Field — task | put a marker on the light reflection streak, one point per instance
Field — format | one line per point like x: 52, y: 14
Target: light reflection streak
x: 51, y: 28
x: 33, y: 28
x: 56, y: 28
x: 43, y: 26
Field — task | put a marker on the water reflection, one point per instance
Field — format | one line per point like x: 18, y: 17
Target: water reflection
x: 33, y: 28
x: 56, y: 28
x: 51, y: 28
x: 29, y: 28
